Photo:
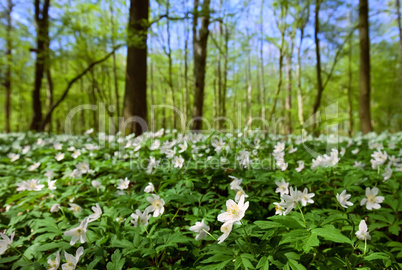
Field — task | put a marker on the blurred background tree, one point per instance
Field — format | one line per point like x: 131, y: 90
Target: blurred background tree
x: 240, y: 59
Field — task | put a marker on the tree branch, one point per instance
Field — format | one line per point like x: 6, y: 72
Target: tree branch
x: 70, y: 84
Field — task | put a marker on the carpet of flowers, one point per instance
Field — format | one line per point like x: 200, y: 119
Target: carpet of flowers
x: 200, y: 201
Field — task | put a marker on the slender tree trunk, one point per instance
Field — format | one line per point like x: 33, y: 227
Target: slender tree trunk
x: 262, y: 83
x: 364, y: 101
x: 288, y: 104
x: 7, y: 82
x: 320, y: 88
x: 200, y: 39
x: 49, y: 96
x: 350, y: 72
x: 186, y: 34
x: 249, y: 89
x: 299, y: 81
x: 281, y: 55
x: 116, y: 84
x: 42, y: 43
x: 398, y: 10
x: 135, y: 95
x: 225, y: 74
x: 169, y: 55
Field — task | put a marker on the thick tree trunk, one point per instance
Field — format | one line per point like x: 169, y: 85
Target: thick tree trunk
x: 7, y: 82
x: 200, y: 39
x: 364, y: 101
x: 135, y: 96
x: 42, y: 53
x: 320, y: 88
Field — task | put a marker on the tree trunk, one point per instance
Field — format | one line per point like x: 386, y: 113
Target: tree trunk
x: 135, y: 95
x: 320, y: 89
x: 116, y: 85
x: 288, y: 104
x: 200, y: 39
x: 42, y: 53
x: 398, y: 10
x: 225, y: 74
x: 262, y: 83
x: 281, y: 54
x: 364, y: 101
x: 299, y: 88
x: 186, y: 34
x: 350, y: 98
x: 49, y: 96
x: 7, y: 82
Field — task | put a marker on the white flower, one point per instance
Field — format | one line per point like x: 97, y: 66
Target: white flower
x: 79, y: 233
x: 75, y: 208
x: 49, y: 174
x: 33, y: 166
x: 59, y: 156
x: 157, y: 205
x: 387, y: 174
x: 379, y: 158
x: 72, y: 261
x: 283, y: 187
x: 5, y: 242
x: 219, y: 145
x: 57, y: 146
x: 55, y: 208
x: 149, y: 188
x: 71, y: 148
x: 183, y: 147
x: 123, y: 184
x: 51, y: 184
x: 140, y: 218
x: 244, y: 158
x: 343, y: 151
x: 153, y: 163
x: 280, y: 208
x: 89, y: 131
x: 292, y: 150
x: 343, y: 199
x: 34, y: 185
x: 97, y: 213
x: 26, y: 149
x: 359, y: 164
x: 354, y: 152
x: 279, y: 147
x: 155, y: 145
x: 22, y: 186
x: 235, y: 184
x: 201, y: 228
x: 226, y: 228
x: 290, y: 201
x: 13, y: 157
x: 282, y: 165
x: 54, y: 264
x: 239, y: 193
x: 83, y: 167
x: 96, y: 184
x: 363, y: 233
x: 305, y: 197
x: 235, y: 212
x: 178, y: 161
x: 371, y: 200
x: 76, y: 154
x: 301, y: 166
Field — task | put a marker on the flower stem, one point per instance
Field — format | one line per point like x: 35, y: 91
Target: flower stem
x: 209, y: 234
x: 365, y: 246
x: 248, y: 239
x: 301, y: 212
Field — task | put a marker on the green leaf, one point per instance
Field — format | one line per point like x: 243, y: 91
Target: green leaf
x: 263, y: 263
x: 311, y: 241
x: 117, y: 262
x: 377, y: 256
x: 295, y: 265
x: 332, y: 234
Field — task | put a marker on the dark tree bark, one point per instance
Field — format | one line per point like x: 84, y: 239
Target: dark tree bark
x: 135, y: 96
x: 320, y: 87
x: 42, y: 54
x: 7, y: 82
x: 364, y: 80
x: 200, y: 39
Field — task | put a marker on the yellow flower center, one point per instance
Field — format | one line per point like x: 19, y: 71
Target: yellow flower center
x: 233, y: 210
x: 371, y: 198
